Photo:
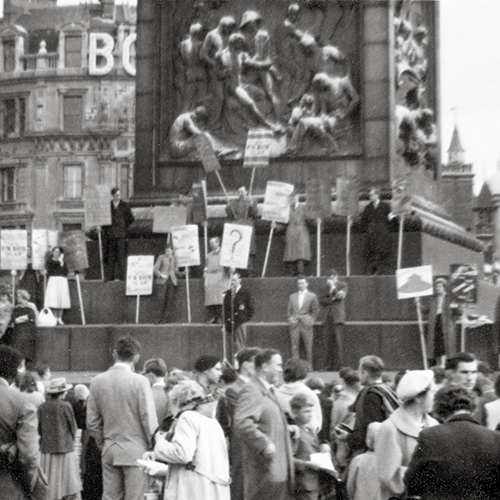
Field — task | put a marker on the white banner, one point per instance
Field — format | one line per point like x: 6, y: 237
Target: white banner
x: 13, y: 249
x: 414, y: 282
x: 276, y: 205
x: 42, y: 241
x: 140, y: 274
x: 186, y: 245
x: 97, y: 206
x: 235, y: 246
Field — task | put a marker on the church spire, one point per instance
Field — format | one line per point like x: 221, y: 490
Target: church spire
x: 456, y: 150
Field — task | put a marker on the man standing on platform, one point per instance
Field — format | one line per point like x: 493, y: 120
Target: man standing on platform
x: 332, y: 298
x: 238, y: 310
x: 262, y: 431
x: 375, y: 220
x: 243, y: 211
x: 216, y: 282
x: 165, y: 272
x: 115, y: 248
x: 302, y: 312
x: 121, y: 417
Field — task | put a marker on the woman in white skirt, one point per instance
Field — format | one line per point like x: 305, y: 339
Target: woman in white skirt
x: 57, y: 292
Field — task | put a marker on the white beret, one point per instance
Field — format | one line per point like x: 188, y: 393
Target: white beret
x: 413, y: 383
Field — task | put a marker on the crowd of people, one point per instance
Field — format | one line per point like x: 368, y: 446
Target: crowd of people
x: 263, y: 429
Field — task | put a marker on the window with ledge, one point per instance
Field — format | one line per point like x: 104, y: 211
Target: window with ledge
x: 8, y: 180
x: 73, y: 175
x: 9, y: 54
x: 73, y: 113
x: 73, y: 51
x: 13, y: 117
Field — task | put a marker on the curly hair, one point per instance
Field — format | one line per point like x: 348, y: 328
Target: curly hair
x: 451, y: 399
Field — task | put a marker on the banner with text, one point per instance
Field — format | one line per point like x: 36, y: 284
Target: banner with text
x: 318, y: 199
x: 42, y: 241
x: 186, y: 245
x: 347, y: 203
x: 13, y: 249
x: 258, y: 148
x: 140, y: 274
x: 463, y: 283
x: 277, y: 200
x: 97, y: 206
x: 206, y: 153
x: 235, y: 247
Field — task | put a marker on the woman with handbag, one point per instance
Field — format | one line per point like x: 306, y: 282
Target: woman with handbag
x: 195, y: 448
x: 57, y: 292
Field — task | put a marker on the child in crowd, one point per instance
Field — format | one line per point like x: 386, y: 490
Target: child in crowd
x: 305, y: 443
x: 362, y: 479
x: 57, y: 428
x: 43, y: 370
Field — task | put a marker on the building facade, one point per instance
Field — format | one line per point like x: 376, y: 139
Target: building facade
x: 67, y: 110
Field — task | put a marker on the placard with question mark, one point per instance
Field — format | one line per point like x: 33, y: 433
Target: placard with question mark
x: 235, y: 247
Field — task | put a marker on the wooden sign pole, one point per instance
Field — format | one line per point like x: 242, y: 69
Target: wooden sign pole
x: 101, y: 260
x: 251, y: 182
x: 80, y: 300
x: 14, y: 274
x: 205, y: 237
x: 400, y: 240
x: 188, y: 295
x: 421, y: 332
x: 348, y: 246
x: 318, y: 248
x: 137, y: 309
x: 268, y: 248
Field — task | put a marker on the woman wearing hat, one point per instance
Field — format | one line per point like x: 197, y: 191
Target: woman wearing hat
x: 196, y: 448
x: 57, y: 428
x: 397, y: 436
x: 57, y: 292
x: 23, y: 336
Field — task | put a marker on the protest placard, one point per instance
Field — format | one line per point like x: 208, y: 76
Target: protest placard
x: 75, y: 250
x: 318, y: 199
x: 235, y: 246
x: 463, y: 283
x: 276, y: 205
x: 401, y: 198
x: 347, y: 203
x: 140, y: 274
x: 414, y: 282
x: 206, y: 153
x: 97, y: 205
x: 42, y: 241
x: 13, y: 249
x: 186, y: 245
x: 258, y: 147
x: 199, y: 194
x: 165, y: 218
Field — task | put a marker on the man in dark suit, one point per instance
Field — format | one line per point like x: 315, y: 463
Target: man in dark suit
x: 121, y: 417
x: 115, y: 243
x: 332, y: 299
x: 459, y: 459
x: 302, y: 312
x: 375, y: 220
x: 238, y: 310
x: 261, y: 428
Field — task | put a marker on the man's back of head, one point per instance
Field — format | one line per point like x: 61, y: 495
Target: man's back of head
x: 246, y: 360
x: 156, y: 366
x: 372, y: 368
x: 127, y: 349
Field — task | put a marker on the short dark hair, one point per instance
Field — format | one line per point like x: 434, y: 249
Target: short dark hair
x: 229, y: 375
x: 372, y: 364
x: 10, y: 360
x: 246, y: 354
x: 127, y: 348
x: 114, y: 191
x: 295, y: 369
x: 206, y: 362
x: 156, y: 366
x: 42, y: 368
x: 26, y: 382
x: 301, y: 400
x: 439, y: 374
x: 349, y: 376
x: 451, y: 399
x: 331, y: 272
x: 264, y: 356
x: 461, y: 357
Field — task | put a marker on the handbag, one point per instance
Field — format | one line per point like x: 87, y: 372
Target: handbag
x: 46, y: 318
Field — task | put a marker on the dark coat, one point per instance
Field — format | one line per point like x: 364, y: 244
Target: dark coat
x: 57, y: 426
x: 241, y: 307
x: 333, y: 309
x: 376, y: 224
x: 121, y: 218
x: 456, y: 460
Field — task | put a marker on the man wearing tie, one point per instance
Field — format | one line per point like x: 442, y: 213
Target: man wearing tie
x: 332, y: 299
x: 165, y: 272
x: 238, y: 310
x: 302, y: 312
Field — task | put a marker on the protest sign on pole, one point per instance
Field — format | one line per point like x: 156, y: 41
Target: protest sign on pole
x: 318, y: 199
x: 235, y: 247
x: 276, y: 207
x: 13, y: 249
x: 97, y: 205
x: 463, y: 283
x: 42, y: 241
x: 401, y: 198
x: 199, y: 195
x: 186, y: 245
x: 140, y: 274
x: 206, y: 153
x: 347, y: 202
x: 258, y: 147
x: 165, y: 218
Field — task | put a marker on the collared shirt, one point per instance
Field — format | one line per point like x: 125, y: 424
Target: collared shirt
x: 266, y: 384
x: 301, y: 296
x: 126, y: 365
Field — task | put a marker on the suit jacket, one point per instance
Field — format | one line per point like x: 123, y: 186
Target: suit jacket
x: 19, y: 426
x: 258, y: 421
x: 377, y: 225
x: 165, y: 265
x: 456, y: 460
x: 333, y: 306
x: 121, y: 218
x: 232, y: 394
x: 306, y: 315
x: 241, y: 307
x: 121, y: 414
